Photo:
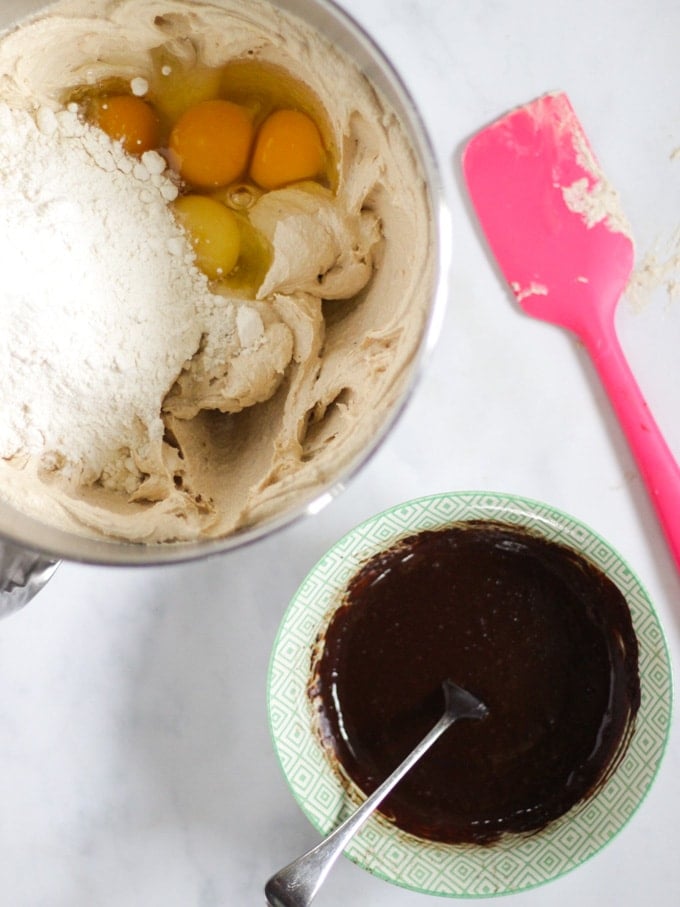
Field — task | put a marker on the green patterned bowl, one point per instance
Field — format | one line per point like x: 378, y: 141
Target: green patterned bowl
x: 515, y: 862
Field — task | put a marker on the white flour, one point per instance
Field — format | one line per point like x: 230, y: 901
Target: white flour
x: 98, y: 299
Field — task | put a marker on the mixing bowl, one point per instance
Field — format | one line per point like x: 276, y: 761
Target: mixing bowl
x: 55, y: 542
x: 326, y: 794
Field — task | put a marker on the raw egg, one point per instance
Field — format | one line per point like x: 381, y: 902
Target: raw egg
x: 127, y: 119
x: 213, y: 231
x: 210, y: 143
x: 178, y: 87
x: 288, y: 148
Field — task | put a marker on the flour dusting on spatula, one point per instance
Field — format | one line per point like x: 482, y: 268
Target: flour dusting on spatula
x: 555, y: 227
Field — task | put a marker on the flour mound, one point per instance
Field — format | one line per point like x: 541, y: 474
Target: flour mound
x: 99, y: 299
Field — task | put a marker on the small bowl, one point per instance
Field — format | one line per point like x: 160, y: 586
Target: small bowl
x: 515, y: 862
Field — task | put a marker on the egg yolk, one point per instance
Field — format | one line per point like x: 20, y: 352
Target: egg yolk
x: 128, y: 119
x: 213, y: 231
x: 177, y: 88
x: 288, y: 148
x: 210, y: 143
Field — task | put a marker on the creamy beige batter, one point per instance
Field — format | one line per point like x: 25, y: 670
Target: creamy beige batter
x: 250, y: 426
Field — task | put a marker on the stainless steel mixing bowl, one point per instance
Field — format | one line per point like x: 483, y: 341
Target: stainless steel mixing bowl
x: 53, y: 543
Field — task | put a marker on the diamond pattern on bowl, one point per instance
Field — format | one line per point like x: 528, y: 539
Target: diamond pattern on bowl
x: 514, y: 863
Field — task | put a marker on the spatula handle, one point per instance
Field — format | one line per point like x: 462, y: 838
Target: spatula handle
x: 655, y: 460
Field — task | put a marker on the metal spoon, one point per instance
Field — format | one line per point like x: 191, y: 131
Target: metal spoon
x: 297, y: 884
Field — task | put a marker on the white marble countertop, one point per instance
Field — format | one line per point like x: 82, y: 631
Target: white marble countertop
x: 135, y: 760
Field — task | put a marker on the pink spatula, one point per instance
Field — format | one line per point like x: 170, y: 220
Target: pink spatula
x: 552, y: 223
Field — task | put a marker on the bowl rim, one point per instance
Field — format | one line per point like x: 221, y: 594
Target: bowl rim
x: 516, y: 863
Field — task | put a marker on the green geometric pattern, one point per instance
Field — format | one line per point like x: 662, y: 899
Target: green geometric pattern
x: 515, y: 863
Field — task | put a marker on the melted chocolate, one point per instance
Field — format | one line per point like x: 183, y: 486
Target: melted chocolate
x: 535, y: 630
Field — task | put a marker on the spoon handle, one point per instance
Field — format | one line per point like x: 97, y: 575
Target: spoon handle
x: 297, y: 884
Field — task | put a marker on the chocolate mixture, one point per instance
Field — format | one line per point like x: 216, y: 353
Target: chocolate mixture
x: 535, y: 630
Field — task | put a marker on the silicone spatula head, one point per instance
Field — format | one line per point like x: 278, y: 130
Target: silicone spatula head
x: 551, y: 219
x: 557, y: 232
